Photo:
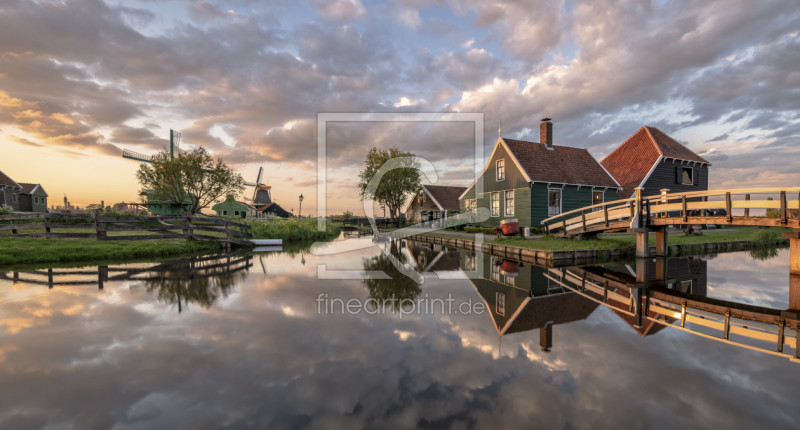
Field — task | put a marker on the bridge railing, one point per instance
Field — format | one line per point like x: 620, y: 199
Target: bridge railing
x: 587, y: 217
x: 678, y: 208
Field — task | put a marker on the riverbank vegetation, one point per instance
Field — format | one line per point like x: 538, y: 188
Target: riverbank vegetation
x: 22, y: 251
x: 290, y: 229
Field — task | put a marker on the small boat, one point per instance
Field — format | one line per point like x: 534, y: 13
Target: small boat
x: 266, y: 242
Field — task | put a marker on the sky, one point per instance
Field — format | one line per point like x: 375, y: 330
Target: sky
x: 81, y: 80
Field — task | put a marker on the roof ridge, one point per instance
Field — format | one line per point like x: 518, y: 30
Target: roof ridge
x: 623, y: 143
x: 653, y: 139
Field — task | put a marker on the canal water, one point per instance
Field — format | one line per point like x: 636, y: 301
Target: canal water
x: 338, y: 337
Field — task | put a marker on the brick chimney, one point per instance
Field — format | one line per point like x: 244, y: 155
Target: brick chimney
x: 546, y: 133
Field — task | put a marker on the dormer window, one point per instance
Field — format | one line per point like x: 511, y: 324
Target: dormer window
x: 501, y: 170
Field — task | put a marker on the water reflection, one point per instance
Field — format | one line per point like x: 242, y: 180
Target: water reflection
x: 261, y: 356
x: 398, y: 290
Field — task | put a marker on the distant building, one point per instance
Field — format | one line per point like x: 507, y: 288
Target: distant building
x: 32, y: 198
x: 10, y: 191
x: 230, y: 207
x: 163, y: 207
x: 275, y: 210
x: 433, y: 202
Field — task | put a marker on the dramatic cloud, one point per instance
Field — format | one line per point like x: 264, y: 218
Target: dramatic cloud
x: 247, y: 79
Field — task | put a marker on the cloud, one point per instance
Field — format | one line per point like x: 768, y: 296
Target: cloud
x: 340, y: 10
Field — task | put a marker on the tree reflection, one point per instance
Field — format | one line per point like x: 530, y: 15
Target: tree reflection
x: 763, y: 254
x: 395, y: 292
x: 197, y: 282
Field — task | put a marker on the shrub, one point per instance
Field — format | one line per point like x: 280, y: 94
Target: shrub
x: 765, y: 237
x: 484, y: 230
x: 289, y: 229
x: 5, y: 209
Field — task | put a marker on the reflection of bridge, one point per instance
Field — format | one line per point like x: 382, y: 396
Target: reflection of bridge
x: 644, y: 215
x: 654, y: 300
x: 655, y: 294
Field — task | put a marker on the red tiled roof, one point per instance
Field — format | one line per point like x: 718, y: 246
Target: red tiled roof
x: 446, y: 196
x: 27, y: 188
x: 631, y: 162
x: 562, y: 164
x: 5, y: 180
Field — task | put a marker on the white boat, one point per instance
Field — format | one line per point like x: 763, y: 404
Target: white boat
x: 266, y: 242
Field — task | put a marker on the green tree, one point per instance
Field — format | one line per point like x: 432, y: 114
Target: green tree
x: 192, y: 179
x: 395, y: 185
x: 397, y: 292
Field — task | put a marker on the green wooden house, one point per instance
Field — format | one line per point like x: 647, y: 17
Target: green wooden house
x: 162, y: 207
x: 230, y: 207
x: 531, y: 181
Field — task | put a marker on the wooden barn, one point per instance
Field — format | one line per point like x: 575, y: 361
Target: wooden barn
x: 652, y: 160
x: 433, y: 202
x: 230, y: 207
x: 531, y: 181
x: 9, y: 192
x: 32, y: 198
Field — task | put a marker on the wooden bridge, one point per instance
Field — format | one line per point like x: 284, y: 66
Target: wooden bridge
x: 644, y: 215
x: 648, y: 300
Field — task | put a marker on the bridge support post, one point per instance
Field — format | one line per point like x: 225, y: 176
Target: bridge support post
x: 642, y: 244
x: 661, y: 269
x: 637, y: 293
x: 662, y: 248
x: 794, y: 250
x: 546, y: 337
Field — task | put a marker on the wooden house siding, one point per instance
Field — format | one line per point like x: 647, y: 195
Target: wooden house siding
x: 414, y: 211
x: 514, y: 177
x: 11, y: 197
x: 34, y: 202
x: 665, y: 176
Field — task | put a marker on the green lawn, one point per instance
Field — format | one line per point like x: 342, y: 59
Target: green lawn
x: 23, y: 250
x: 550, y: 243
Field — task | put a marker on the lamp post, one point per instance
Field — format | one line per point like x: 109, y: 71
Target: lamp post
x: 300, y: 211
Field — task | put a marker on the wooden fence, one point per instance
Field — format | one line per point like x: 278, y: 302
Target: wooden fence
x: 160, y: 227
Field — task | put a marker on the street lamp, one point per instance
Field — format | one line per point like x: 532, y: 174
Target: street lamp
x: 300, y: 212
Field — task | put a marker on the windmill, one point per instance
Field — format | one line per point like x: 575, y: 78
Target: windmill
x: 261, y: 192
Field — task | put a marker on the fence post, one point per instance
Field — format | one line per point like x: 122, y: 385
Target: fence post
x: 583, y: 218
x: 99, y: 227
x: 683, y: 209
x: 47, y: 225
x: 703, y: 213
x: 13, y: 221
x: 227, y: 236
x: 783, y: 207
x: 747, y: 210
x: 605, y: 213
x: 728, y: 206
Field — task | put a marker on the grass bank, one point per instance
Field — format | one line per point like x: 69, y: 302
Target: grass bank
x: 760, y: 237
x: 24, y: 251
x: 290, y: 229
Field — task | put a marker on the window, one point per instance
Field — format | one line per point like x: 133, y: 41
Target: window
x: 495, y: 198
x: 469, y: 262
x: 687, y: 176
x: 35, y: 200
x: 224, y: 213
x: 509, y: 203
x: 13, y: 197
x: 501, y: 170
x: 597, y: 198
x: 686, y: 286
x: 473, y: 204
x: 235, y: 213
x: 553, y: 202
x: 500, y: 300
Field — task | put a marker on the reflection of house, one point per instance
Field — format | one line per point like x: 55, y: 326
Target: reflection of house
x: 430, y: 257
x: 688, y: 275
x: 432, y: 202
x: 654, y: 161
x: 519, y: 298
x: 532, y: 181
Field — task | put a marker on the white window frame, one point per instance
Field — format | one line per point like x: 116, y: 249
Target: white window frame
x: 507, y: 212
x: 688, y: 290
x: 602, y: 200
x: 494, y: 197
x: 560, y: 201
x: 224, y: 213
x: 500, y: 168
x: 500, y: 304
x: 35, y: 200
x: 691, y: 175
x: 235, y: 213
